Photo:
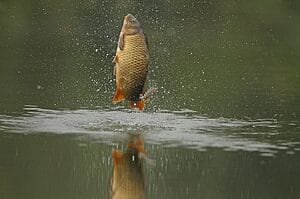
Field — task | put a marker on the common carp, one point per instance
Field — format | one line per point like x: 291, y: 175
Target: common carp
x: 128, y: 175
x: 131, y: 64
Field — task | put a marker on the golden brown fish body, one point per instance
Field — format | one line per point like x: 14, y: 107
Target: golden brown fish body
x: 128, y: 175
x: 131, y: 63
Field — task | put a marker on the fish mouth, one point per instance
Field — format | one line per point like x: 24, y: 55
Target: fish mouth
x: 129, y: 16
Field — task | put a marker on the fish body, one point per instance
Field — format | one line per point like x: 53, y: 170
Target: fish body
x: 131, y: 63
x: 128, y: 176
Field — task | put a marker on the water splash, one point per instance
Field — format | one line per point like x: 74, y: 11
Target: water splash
x: 183, y: 128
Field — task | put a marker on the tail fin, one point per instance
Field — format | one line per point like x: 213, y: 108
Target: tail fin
x: 137, y: 144
x: 139, y: 104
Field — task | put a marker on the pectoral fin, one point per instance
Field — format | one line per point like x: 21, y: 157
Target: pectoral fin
x: 150, y: 92
x: 121, y: 41
x: 118, y: 97
x: 114, y: 61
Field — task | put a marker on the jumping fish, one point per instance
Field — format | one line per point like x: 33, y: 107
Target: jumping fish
x: 131, y: 64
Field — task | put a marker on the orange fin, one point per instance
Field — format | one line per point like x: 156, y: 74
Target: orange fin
x: 137, y: 144
x: 139, y: 104
x: 117, y: 156
x: 118, y: 97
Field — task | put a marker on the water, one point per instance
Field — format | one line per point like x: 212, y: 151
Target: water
x: 67, y: 153
x: 224, y: 123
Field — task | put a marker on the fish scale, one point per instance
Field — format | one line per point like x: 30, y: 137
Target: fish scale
x: 133, y: 66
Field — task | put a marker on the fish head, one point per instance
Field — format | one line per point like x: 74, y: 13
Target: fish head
x: 131, y: 25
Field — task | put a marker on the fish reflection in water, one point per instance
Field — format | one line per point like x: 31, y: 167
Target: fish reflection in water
x: 128, y: 175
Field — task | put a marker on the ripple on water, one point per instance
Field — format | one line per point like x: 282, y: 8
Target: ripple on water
x: 184, y: 128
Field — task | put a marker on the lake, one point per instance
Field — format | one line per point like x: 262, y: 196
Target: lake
x: 223, y: 124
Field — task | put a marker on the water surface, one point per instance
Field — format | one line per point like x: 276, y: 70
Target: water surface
x: 67, y: 153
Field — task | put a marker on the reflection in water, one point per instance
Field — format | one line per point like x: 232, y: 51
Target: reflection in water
x: 128, y: 175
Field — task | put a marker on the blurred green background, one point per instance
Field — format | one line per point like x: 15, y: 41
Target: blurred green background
x: 235, y: 59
